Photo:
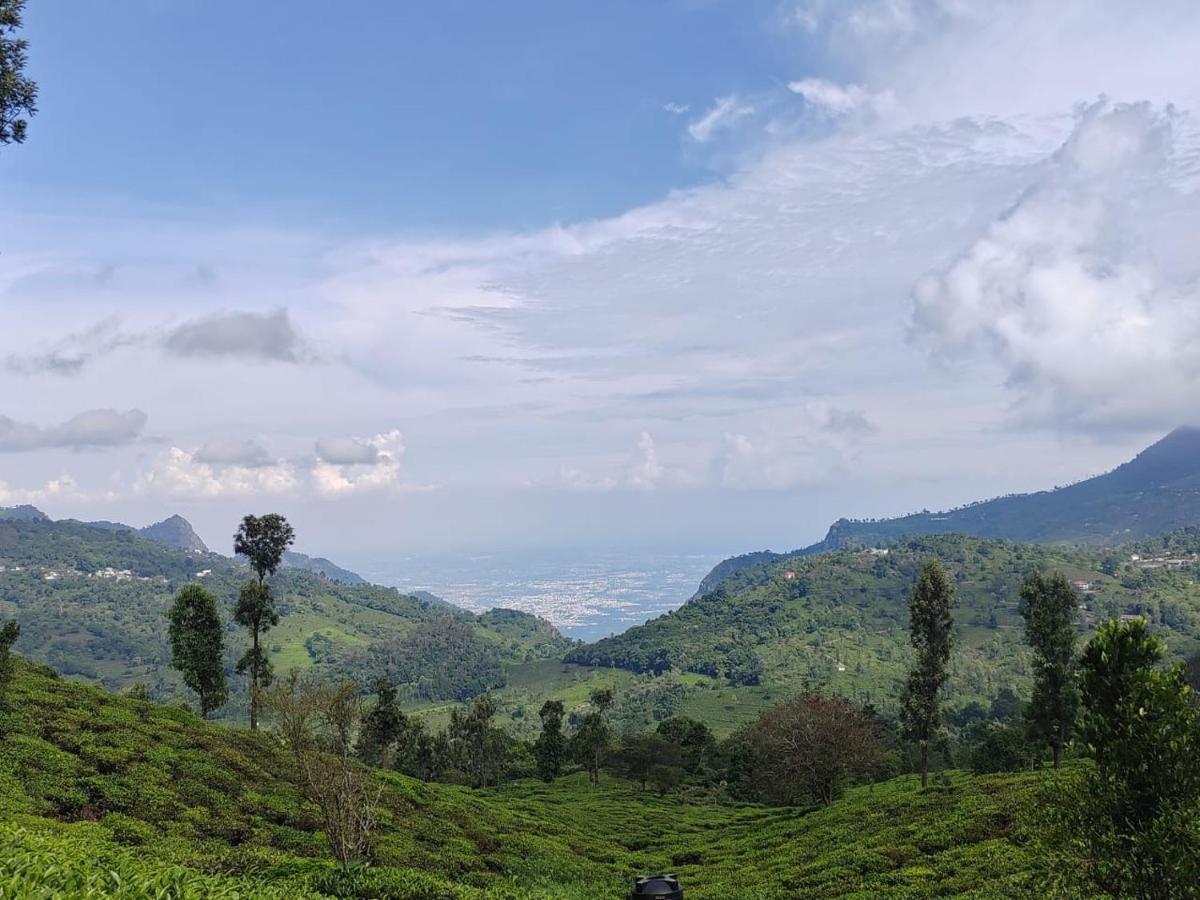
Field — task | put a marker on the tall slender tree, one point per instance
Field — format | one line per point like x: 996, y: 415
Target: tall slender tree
x: 594, y: 735
x: 263, y: 541
x: 8, y: 636
x: 1048, y: 603
x: 550, y: 749
x: 18, y: 92
x: 197, y: 646
x: 931, y: 628
x: 382, y: 727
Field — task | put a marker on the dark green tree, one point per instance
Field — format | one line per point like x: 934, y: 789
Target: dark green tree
x: 18, y: 93
x: 696, y: 743
x: 477, y: 747
x: 8, y: 636
x: 198, y: 646
x: 1135, y: 811
x: 262, y: 540
x: 550, y: 748
x: 931, y: 629
x: 1048, y: 603
x: 382, y: 727
x: 593, y: 737
x: 640, y: 756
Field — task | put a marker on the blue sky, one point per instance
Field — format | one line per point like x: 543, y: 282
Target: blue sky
x: 386, y: 115
x: 457, y: 276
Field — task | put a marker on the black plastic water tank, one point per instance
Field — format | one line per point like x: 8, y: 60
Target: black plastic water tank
x: 656, y: 887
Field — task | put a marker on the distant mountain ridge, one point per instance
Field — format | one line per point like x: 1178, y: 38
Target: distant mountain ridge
x: 177, y: 533
x: 319, y: 565
x: 1155, y: 493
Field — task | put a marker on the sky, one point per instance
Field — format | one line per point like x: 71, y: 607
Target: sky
x: 685, y: 274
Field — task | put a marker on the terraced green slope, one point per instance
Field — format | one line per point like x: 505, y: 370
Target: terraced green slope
x: 131, y: 799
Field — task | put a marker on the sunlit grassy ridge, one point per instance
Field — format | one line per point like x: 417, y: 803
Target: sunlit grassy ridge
x: 125, y: 798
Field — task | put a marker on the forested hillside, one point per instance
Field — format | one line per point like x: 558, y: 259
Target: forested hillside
x: 839, y: 619
x: 93, y: 603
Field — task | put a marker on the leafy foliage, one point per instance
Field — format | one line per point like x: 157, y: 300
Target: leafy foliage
x: 90, y: 602
x: 1049, y: 603
x: 197, y: 646
x: 931, y: 628
x: 810, y: 749
x: 837, y: 621
x: 18, y: 92
x: 263, y: 540
x: 1137, y: 812
x: 550, y: 749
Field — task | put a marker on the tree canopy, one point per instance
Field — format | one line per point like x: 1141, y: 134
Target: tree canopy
x: 18, y: 92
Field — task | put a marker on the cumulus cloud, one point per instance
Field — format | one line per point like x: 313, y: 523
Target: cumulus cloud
x: 180, y: 474
x: 63, y: 488
x: 92, y: 429
x: 358, y: 465
x: 724, y: 114
x: 246, y: 335
x: 232, y: 452
x: 1070, y: 290
x: 814, y: 444
x: 644, y: 470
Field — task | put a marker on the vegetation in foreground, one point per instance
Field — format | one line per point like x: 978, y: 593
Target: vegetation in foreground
x: 167, y: 801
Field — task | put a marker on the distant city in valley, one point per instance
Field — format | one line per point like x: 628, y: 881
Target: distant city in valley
x: 586, y: 594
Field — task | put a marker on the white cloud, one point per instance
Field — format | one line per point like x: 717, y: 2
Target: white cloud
x: 358, y: 465
x: 63, y: 489
x: 839, y: 100
x: 1072, y: 291
x: 178, y: 474
x: 724, y: 114
x: 676, y: 109
x: 645, y: 470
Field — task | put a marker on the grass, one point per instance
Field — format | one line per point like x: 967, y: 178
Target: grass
x: 105, y: 796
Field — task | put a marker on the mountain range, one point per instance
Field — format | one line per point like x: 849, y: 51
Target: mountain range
x: 177, y: 532
x: 1156, y: 492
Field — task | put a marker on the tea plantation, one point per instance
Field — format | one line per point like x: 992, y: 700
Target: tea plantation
x: 106, y: 796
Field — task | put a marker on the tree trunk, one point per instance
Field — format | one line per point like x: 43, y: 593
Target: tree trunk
x: 254, y: 685
x: 924, y: 763
x: 1058, y: 745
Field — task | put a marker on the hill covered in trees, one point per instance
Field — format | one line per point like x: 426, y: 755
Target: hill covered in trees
x: 92, y: 602
x: 838, y: 620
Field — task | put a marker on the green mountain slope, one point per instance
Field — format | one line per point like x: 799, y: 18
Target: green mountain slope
x: 92, y: 602
x: 839, y: 619
x: 132, y: 799
x: 1155, y: 493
